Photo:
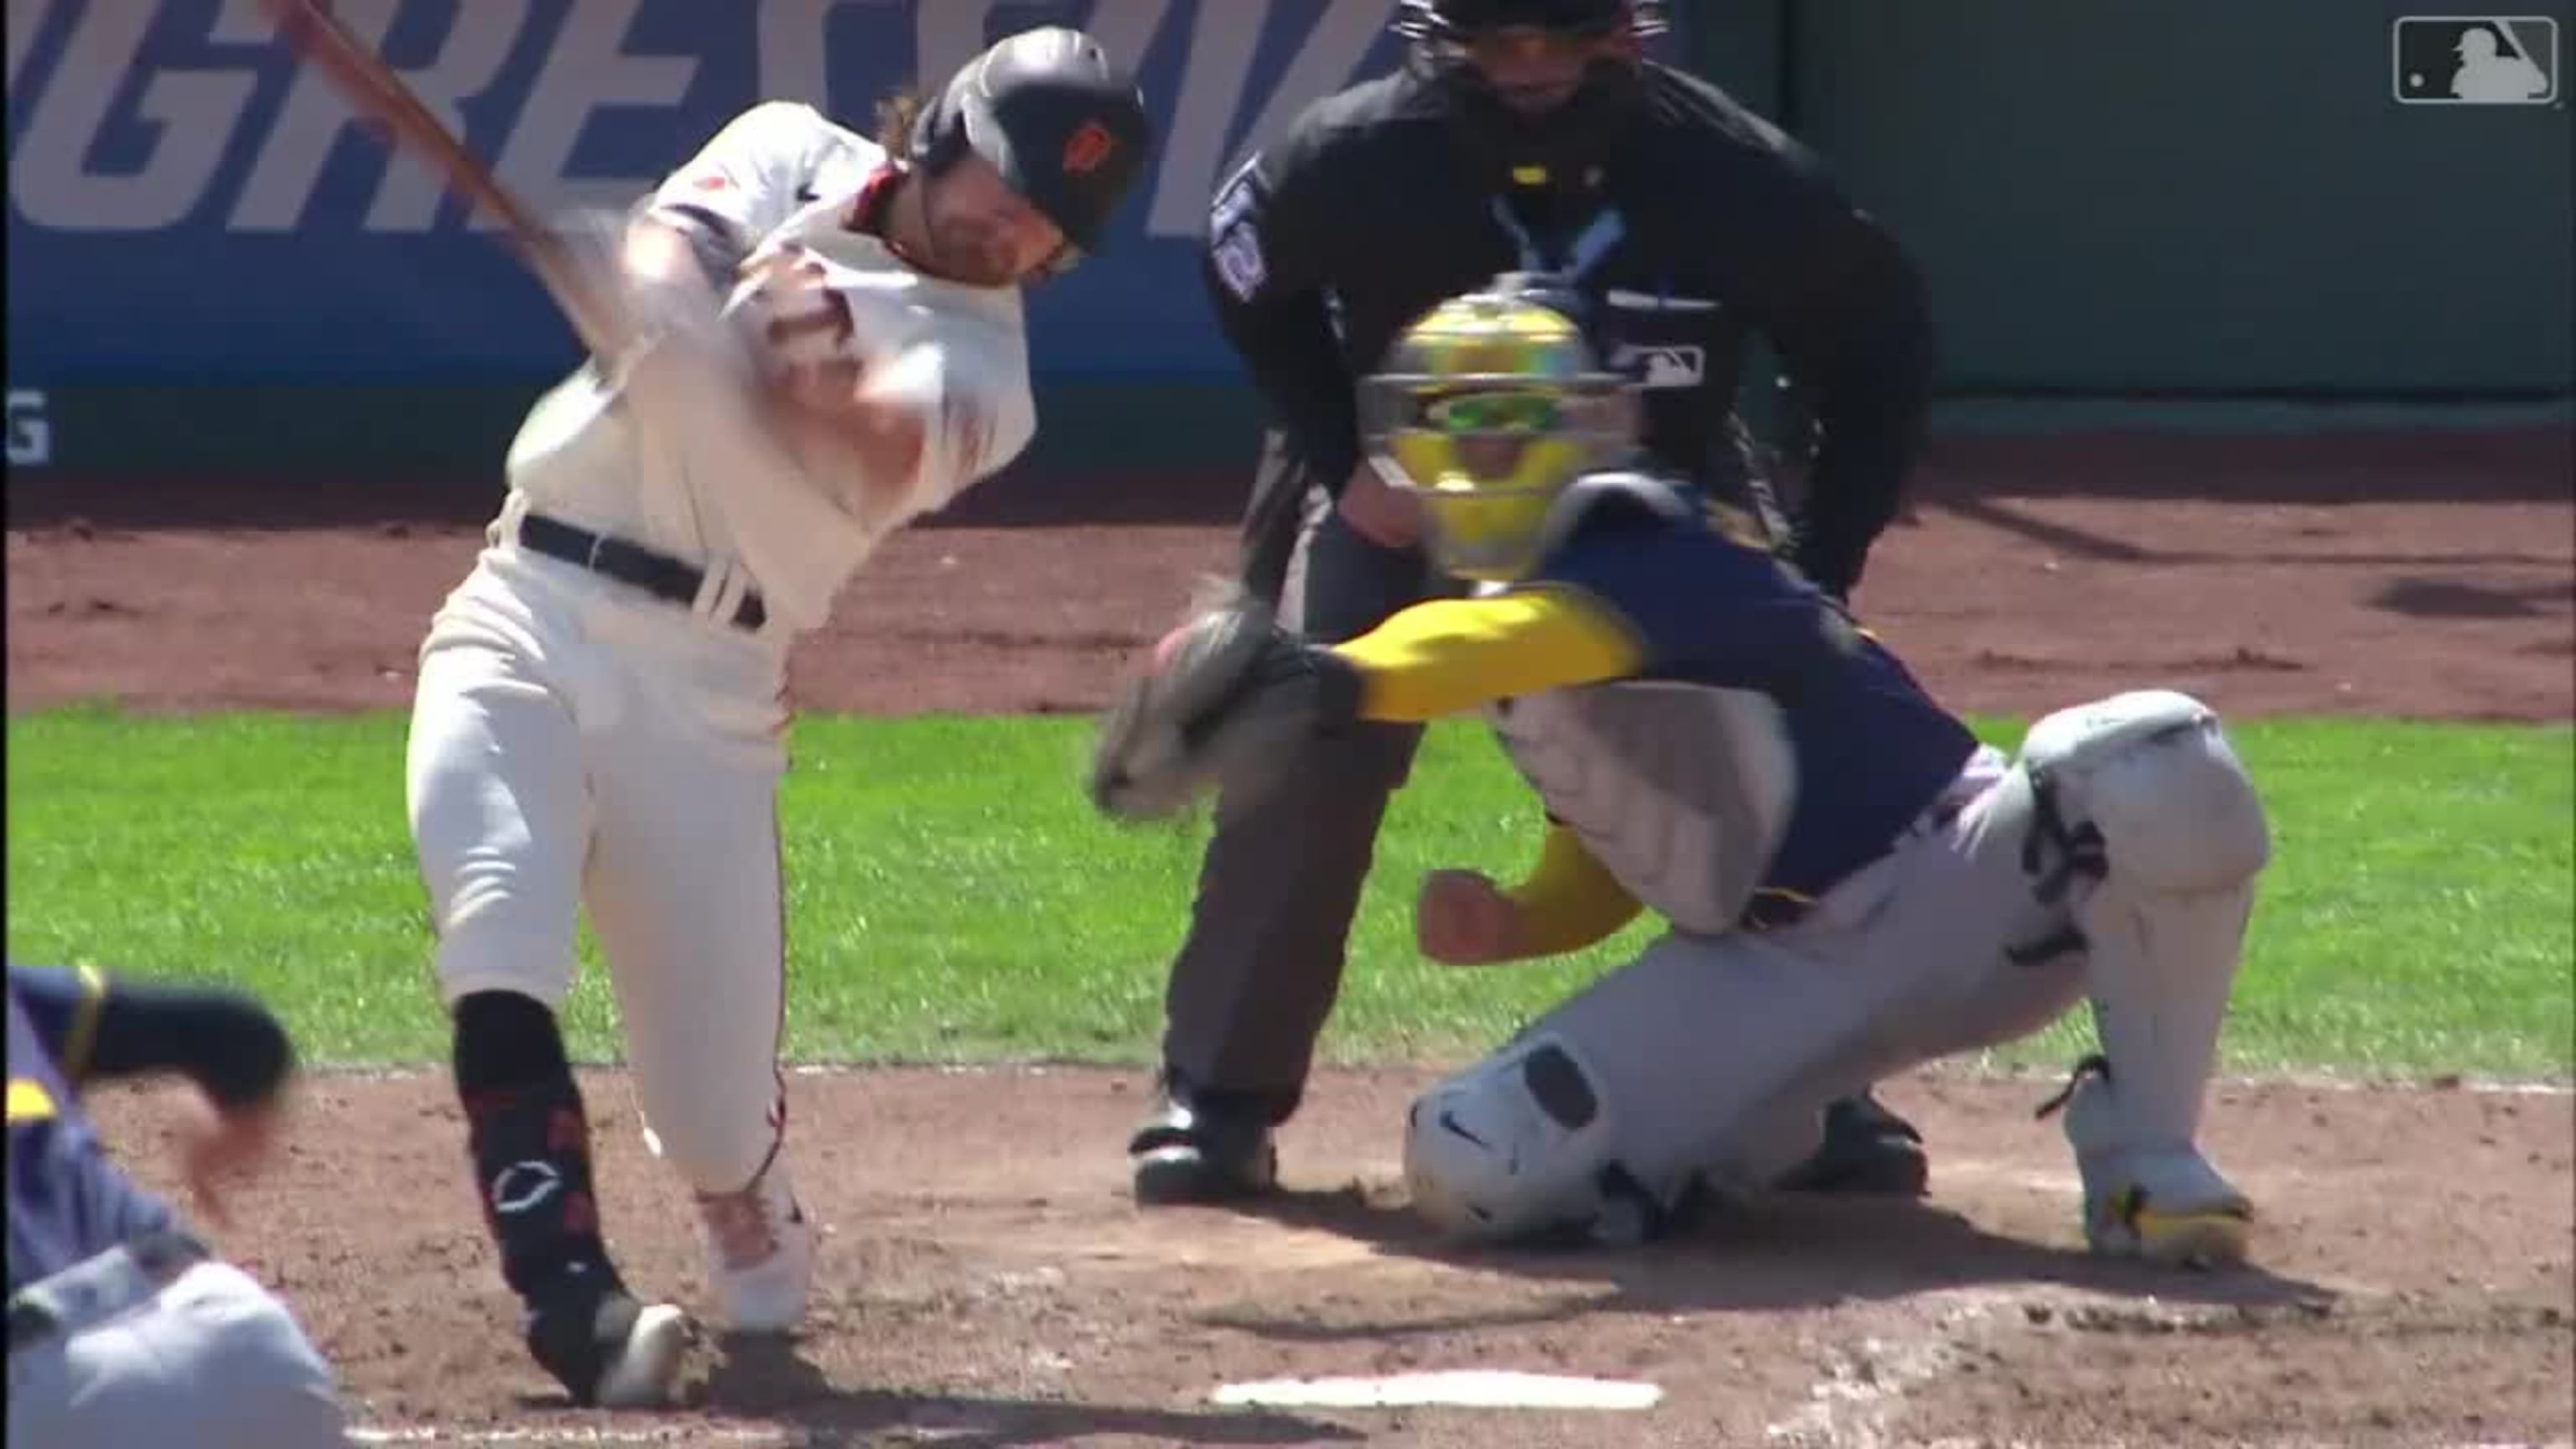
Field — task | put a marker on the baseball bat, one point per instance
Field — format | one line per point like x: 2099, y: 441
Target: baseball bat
x: 380, y: 97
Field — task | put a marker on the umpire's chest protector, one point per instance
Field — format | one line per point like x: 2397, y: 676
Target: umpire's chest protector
x: 1682, y: 791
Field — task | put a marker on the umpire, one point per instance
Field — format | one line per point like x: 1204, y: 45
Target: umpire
x: 1520, y: 135
x: 123, y: 1328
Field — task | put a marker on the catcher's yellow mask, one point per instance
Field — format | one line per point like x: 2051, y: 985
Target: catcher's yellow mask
x: 1486, y: 409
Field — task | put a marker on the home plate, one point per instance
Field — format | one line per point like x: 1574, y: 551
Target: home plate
x: 1455, y: 1388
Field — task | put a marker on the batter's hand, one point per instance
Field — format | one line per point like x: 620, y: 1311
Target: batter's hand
x: 816, y: 385
x: 218, y: 1149
x: 1463, y: 919
x: 804, y: 334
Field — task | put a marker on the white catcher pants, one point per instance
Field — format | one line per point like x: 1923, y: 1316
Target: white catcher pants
x: 1713, y: 1056
x: 210, y: 1359
x: 575, y: 742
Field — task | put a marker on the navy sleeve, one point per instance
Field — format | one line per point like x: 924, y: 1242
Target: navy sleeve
x: 224, y: 1040
x: 1705, y: 607
x: 54, y: 999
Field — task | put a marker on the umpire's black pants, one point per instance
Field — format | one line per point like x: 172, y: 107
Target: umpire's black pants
x: 1262, y: 966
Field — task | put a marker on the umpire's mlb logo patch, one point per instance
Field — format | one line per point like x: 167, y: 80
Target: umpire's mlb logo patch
x: 2474, y: 60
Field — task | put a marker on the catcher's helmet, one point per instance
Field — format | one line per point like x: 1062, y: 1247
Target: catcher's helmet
x: 1488, y: 407
x: 1048, y: 109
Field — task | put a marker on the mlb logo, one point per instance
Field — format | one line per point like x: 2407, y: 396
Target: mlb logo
x: 2474, y: 60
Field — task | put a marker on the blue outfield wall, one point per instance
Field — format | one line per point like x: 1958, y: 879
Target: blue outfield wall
x: 200, y: 236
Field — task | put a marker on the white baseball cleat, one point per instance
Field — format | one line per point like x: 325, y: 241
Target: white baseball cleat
x: 605, y: 1347
x: 760, y: 1249
x: 640, y: 1372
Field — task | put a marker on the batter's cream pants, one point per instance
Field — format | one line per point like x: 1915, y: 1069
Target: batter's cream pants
x: 575, y: 742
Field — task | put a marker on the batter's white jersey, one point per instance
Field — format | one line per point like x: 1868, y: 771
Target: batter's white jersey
x: 580, y: 740
x: 709, y: 487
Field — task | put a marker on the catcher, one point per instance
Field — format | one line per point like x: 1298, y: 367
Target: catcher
x: 1853, y: 884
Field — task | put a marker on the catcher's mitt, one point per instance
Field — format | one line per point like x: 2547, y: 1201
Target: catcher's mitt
x: 1226, y: 704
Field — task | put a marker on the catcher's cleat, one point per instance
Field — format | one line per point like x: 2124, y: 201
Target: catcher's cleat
x: 1867, y: 1150
x: 2125, y: 1221
x: 607, y: 1349
x: 2163, y: 1204
x: 1201, y: 1149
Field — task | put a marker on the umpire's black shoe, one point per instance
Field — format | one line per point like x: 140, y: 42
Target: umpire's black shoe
x: 606, y: 1348
x: 1202, y: 1147
x: 1867, y: 1149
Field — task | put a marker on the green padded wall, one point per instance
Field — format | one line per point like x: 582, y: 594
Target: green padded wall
x: 2187, y: 196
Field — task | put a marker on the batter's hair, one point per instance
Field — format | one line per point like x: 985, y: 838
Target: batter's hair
x: 896, y: 115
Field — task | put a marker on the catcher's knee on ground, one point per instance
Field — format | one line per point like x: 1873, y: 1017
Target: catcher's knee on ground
x: 1520, y: 1146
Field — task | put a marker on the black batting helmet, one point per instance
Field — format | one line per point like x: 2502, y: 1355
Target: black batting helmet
x: 1048, y: 109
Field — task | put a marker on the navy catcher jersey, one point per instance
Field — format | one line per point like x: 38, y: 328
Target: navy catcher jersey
x: 1710, y: 609
x: 67, y: 1201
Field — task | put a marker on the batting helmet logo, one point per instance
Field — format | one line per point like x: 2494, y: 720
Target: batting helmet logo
x: 1086, y: 149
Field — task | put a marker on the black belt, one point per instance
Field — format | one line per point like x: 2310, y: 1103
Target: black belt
x: 97, y: 1286
x: 658, y: 574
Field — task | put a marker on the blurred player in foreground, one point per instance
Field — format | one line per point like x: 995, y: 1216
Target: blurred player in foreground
x: 124, y: 1329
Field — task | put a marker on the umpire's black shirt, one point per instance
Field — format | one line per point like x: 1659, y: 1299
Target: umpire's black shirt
x: 1702, y: 224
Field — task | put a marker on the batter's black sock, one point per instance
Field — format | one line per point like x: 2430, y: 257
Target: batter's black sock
x: 531, y: 1146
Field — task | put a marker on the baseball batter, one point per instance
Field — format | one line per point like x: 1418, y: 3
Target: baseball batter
x: 833, y: 345
x: 1854, y: 885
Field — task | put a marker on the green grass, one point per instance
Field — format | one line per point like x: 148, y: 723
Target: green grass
x: 950, y: 897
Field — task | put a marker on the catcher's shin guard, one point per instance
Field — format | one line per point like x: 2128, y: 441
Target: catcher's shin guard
x: 2164, y: 814
x: 530, y: 1142
x: 1518, y: 1149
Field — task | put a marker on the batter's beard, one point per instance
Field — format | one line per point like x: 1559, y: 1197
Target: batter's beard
x: 964, y: 248
x: 971, y: 252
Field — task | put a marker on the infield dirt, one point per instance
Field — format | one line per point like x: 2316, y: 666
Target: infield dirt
x: 986, y: 1279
